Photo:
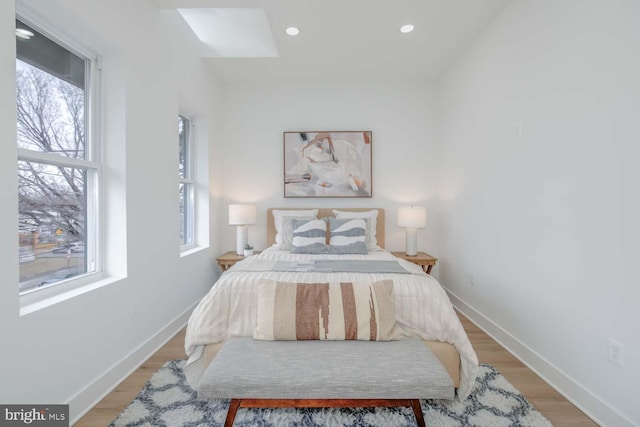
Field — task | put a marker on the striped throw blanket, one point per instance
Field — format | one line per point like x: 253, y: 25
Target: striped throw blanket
x: 325, y: 311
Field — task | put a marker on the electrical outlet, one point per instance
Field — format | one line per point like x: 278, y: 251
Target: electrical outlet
x: 616, y: 352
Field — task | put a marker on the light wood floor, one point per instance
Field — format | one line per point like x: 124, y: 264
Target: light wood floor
x: 552, y: 405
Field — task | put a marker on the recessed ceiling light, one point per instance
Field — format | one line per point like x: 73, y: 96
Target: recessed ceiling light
x: 292, y: 31
x: 406, y: 28
x: 23, y: 33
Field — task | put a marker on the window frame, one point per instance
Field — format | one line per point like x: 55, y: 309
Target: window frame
x: 91, y: 163
x: 188, y: 183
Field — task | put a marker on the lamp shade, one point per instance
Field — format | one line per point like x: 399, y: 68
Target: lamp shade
x: 242, y: 214
x: 412, y: 216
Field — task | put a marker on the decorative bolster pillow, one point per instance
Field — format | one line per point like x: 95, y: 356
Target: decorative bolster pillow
x: 325, y: 311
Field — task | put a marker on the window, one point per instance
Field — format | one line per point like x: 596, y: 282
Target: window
x: 185, y: 183
x: 58, y: 168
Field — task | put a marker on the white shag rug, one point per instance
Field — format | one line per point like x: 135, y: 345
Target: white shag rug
x: 167, y: 400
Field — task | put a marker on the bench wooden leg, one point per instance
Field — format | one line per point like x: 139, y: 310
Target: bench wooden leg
x: 417, y: 411
x: 322, y: 403
x: 231, y: 413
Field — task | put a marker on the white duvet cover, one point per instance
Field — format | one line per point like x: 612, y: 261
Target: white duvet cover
x: 229, y: 309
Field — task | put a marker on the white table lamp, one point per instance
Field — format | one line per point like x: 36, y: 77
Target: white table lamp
x: 241, y: 216
x: 412, y: 218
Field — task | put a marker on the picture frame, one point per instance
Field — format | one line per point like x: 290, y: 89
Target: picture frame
x: 327, y: 163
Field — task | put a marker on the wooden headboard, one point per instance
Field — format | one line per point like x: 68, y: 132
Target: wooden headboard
x: 326, y: 212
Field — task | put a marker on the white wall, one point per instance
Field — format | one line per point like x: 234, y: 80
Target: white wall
x: 401, y: 116
x: 75, y: 350
x: 545, y: 224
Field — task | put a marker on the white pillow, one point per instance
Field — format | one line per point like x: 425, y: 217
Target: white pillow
x: 278, y: 216
x: 372, y: 220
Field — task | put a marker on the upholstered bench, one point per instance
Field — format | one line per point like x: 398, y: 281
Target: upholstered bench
x: 320, y: 374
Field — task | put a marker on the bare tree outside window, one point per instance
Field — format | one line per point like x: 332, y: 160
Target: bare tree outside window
x: 50, y: 119
x: 55, y: 174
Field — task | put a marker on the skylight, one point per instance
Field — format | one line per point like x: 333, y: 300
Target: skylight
x: 232, y: 32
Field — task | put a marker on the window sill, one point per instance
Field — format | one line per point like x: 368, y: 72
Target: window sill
x: 190, y: 250
x: 36, y: 301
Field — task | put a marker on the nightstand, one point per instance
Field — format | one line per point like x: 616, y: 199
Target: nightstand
x: 227, y: 260
x: 422, y: 259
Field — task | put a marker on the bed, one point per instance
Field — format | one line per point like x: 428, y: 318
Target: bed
x: 422, y: 308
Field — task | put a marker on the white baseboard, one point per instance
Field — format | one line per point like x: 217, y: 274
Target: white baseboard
x: 589, y: 403
x: 88, y: 397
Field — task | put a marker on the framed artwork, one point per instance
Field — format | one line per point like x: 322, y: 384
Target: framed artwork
x: 327, y: 164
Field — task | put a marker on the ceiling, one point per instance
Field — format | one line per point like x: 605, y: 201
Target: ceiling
x: 338, y: 38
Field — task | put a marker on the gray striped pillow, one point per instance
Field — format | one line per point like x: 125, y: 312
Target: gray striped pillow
x: 372, y: 219
x: 325, y: 311
x: 309, y: 236
x: 348, y: 236
x: 287, y: 231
